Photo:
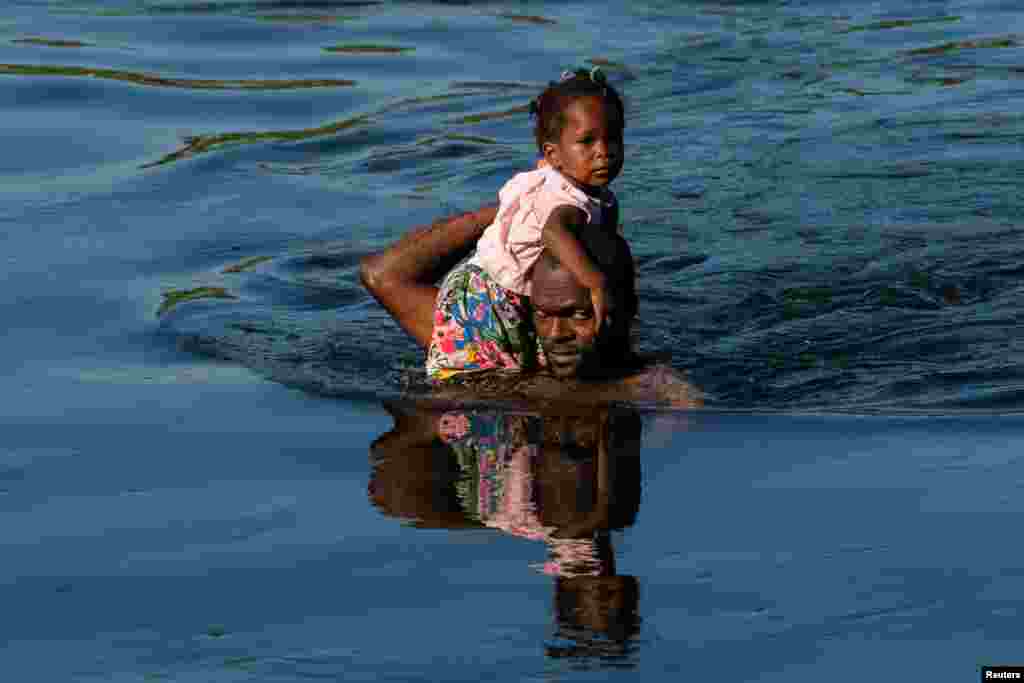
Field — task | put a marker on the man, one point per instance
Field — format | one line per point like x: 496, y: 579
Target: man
x: 582, y: 362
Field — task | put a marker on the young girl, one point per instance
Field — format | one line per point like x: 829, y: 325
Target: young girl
x: 482, y: 318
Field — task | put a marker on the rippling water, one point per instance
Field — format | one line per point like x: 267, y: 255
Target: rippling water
x: 823, y: 200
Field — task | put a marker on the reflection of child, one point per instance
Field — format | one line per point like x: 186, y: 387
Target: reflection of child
x: 537, y: 477
x: 480, y: 318
x: 501, y: 455
x: 505, y: 487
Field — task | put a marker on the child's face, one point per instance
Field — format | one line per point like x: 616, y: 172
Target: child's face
x: 590, y: 148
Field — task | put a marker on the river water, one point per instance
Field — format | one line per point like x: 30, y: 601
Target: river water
x: 823, y: 201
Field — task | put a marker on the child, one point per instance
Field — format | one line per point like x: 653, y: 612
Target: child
x: 481, y: 318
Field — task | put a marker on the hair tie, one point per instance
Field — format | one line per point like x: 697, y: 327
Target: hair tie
x: 596, y: 75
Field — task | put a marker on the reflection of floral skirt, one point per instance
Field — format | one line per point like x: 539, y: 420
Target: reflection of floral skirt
x: 479, y: 325
x: 499, y: 458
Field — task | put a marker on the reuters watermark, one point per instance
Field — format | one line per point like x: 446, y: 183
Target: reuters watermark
x: 1002, y: 673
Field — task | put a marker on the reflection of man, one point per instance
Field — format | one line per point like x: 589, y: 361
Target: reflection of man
x: 564, y: 473
x: 566, y: 478
x: 402, y: 278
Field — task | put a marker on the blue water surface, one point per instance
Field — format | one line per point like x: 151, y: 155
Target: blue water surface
x: 823, y: 201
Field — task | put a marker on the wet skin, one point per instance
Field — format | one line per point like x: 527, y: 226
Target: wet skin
x: 590, y: 150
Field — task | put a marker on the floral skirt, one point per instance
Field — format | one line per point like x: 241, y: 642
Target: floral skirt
x: 479, y: 325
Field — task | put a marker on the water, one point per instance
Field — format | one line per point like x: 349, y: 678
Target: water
x: 822, y: 200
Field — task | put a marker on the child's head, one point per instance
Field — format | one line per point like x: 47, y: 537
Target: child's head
x: 579, y: 124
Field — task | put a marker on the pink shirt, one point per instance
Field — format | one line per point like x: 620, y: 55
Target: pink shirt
x: 512, y: 243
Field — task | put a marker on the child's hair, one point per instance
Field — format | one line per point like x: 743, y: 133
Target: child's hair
x: 549, y: 107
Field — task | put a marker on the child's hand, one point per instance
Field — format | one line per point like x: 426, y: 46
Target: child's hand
x: 603, y: 307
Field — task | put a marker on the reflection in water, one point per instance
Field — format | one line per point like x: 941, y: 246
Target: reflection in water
x: 565, y: 476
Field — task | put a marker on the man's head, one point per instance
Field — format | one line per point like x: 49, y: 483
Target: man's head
x: 563, y: 315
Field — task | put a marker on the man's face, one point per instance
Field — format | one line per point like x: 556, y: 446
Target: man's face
x: 563, y: 317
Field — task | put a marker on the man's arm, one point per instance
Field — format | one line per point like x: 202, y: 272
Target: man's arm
x: 415, y: 427
x: 403, y: 276
x: 659, y: 382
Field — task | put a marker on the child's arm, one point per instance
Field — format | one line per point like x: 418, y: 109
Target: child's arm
x: 559, y: 237
x: 611, y: 222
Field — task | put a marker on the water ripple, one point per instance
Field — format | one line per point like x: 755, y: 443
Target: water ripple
x: 167, y: 82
